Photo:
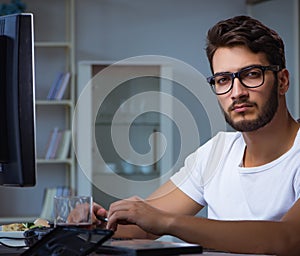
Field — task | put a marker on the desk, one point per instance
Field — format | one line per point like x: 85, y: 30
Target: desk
x: 208, y: 254
x: 14, y: 252
x: 226, y: 254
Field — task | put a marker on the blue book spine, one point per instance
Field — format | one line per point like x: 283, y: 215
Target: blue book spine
x: 55, y: 85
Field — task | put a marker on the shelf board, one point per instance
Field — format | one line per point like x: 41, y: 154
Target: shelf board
x: 52, y: 44
x: 54, y: 161
x: 53, y: 102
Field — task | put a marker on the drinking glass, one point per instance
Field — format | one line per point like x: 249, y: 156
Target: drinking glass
x: 73, y: 211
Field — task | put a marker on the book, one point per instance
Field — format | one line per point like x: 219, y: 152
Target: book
x: 51, y: 143
x: 47, y: 209
x: 56, y: 145
x: 62, y: 86
x: 59, y: 191
x: 64, y: 145
x: 48, y: 202
x: 55, y: 85
x: 67, y: 191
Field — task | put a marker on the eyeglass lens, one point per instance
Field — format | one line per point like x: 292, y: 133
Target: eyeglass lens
x: 252, y: 77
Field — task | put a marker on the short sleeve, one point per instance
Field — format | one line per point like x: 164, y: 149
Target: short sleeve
x: 188, y: 178
x: 199, y: 167
x: 297, y: 184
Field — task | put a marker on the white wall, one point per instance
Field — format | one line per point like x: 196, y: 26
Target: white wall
x: 283, y: 16
x: 114, y: 30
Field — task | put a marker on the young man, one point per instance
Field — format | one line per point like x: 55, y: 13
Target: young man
x: 253, y: 193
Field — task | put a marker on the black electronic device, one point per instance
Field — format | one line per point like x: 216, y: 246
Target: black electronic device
x: 145, y: 247
x: 69, y: 241
x: 17, y: 101
x: 33, y: 235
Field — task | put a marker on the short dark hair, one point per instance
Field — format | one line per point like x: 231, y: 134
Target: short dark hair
x: 247, y: 31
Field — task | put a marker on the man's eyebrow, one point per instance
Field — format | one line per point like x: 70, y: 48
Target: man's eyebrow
x: 223, y: 73
x: 228, y: 72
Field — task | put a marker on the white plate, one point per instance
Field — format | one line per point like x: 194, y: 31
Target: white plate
x: 12, y: 234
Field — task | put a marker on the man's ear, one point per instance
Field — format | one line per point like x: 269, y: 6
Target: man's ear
x: 283, y: 81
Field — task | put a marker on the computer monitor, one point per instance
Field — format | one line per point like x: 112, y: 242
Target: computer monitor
x: 17, y: 101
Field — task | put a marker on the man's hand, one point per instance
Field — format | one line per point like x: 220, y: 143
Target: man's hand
x: 138, y: 212
x: 80, y: 214
x: 99, y: 213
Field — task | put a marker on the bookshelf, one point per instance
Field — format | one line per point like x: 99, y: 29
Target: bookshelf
x: 53, y: 113
x: 54, y: 53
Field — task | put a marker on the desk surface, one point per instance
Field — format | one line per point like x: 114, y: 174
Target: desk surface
x: 208, y: 254
x: 226, y: 254
x: 11, y: 252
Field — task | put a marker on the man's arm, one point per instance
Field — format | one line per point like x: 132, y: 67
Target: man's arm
x: 268, y: 237
x: 167, y: 198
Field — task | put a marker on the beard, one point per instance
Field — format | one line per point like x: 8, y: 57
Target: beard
x: 266, y: 114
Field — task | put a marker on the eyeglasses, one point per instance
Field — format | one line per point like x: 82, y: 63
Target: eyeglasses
x: 250, y: 77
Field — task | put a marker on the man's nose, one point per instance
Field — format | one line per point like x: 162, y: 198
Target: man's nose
x: 238, y: 89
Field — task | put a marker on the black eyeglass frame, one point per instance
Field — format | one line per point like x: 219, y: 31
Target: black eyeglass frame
x: 211, y: 79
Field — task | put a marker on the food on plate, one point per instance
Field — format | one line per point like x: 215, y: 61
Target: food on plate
x: 13, y: 227
x: 25, y: 226
x: 41, y: 223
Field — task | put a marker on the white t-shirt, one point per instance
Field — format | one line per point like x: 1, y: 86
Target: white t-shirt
x: 213, y: 175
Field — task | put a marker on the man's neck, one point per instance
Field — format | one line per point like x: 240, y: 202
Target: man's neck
x: 270, y: 142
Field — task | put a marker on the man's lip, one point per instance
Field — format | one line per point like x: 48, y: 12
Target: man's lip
x: 241, y: 107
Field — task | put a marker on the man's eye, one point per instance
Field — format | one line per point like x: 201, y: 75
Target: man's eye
x: 252, y: 74
x: 223, y: 80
